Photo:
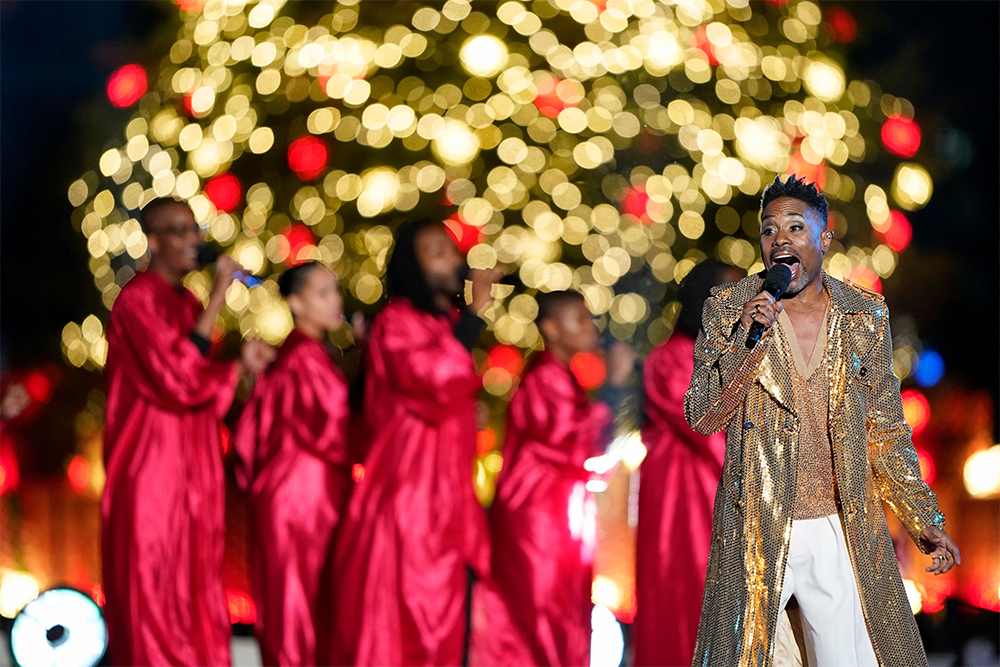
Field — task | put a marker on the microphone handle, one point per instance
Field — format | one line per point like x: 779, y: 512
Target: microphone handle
x: 757, y: 328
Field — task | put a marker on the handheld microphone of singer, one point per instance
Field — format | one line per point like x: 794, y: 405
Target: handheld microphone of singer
x: 775, y: 283
x: 209, y: 255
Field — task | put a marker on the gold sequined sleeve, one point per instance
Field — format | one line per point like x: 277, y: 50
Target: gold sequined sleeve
x: 890, y: 446
x: 723, y: 370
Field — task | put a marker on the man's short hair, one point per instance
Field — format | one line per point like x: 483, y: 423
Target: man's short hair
x: 797, y: 188
x: 550, y: 303
x: 152, y: 209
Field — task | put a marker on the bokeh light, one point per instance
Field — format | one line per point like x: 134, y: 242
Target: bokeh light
x: 224, y: 191
x: 916, y: 410
x: 981, y: 473
x: 930, y: 368
x: 588, y: 369
x: 127, y: 85
x: 307, y: 157
x: 901, y: 136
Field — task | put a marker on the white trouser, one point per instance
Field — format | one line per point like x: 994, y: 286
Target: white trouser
x: 820, y: 576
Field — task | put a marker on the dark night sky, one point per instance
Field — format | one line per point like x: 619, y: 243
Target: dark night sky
x: 55, y: 57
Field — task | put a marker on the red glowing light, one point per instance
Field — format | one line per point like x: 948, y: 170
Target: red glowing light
x: 9, y: 473
x: 97, y: 595
x: 241, y: 608
x: 865, y: 277
x: 358, y: 472
x: 990, y: 596
x: 700, y: 41
x: 553, y: 95
x: 507, y: 357
x: 300, y: 239
x: 38, y: 386
x: 589, y: 369
x: 127, y: 85
x: 191, y: 6
x: 225, y: 191
x: 225, y: 438
x: 916, y: 410
x: 78, y: 473
x: 308, y: 156
x: 899, y: 233
x: 933, y: 593
x: 462, y: 233
x: 634, y: 202
x: 843, y: 27
x: 486, y: 441
x: 901, y: 136
x: 928, y: 471
x: 801, y: 168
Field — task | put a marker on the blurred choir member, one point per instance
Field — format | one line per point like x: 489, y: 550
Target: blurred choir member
x: 543, y: 536
x: 678, y: 480
x: 414, y: 531
x: 163, y: 504
x: 292, y: 458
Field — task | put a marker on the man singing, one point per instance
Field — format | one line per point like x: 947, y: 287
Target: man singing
x: 163, y: 504
x: 414, y: 530
x: 815, y: 442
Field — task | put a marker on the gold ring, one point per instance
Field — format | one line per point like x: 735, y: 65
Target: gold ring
x: 756, y: 308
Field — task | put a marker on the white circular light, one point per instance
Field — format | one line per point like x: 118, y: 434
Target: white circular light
x: 484, y: 55
x: 60, y: 628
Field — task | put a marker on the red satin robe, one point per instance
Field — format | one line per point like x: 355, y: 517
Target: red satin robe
x: 543, y: 521
x: 163, y: 509
x: 678, y: 479
x: 413, y: 526
x: 292, y: 448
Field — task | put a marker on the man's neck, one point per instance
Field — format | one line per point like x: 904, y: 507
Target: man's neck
x: 559, y: 352
x: 811, y: 298
x: 171, y: 277
x: 442, y: 302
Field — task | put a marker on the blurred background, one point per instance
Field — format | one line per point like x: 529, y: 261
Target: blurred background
x: 611, y: 171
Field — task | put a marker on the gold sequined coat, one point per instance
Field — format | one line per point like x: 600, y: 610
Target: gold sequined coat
x: 750, y: 395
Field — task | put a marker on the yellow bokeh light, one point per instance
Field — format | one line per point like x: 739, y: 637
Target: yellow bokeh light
x: 911, y: 186
x: 16, y: 590
x: 981, y: 473
x: 456, y: 145
x: 484, y: 55
x: 825, y: 79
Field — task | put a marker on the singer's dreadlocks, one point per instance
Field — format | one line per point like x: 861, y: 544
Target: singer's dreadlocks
x: 797, y: 189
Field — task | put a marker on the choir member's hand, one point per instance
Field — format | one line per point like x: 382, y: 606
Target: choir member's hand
x: 15, y: 400
x: 620, y: 361
x: 482, y: 286
x: 225, y: 268
x: 359, y: 327
x: 256, y: 355
x: 941, y: 548
x: 762, y: 308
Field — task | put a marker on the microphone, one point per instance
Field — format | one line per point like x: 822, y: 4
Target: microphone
x: 209, y: 255
x: 512, y: 278
x: 775, y: 283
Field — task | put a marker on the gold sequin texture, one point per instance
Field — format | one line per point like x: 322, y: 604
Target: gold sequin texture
x: 751, y: 394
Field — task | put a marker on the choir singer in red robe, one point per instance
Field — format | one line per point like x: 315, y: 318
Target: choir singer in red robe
x: 414, y: 531
x: 678, y: 478
x: 292, y: 448
x: 543, y: 536
x: 164, y: 498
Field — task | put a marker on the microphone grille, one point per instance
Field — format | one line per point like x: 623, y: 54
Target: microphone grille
x: 777, y: 279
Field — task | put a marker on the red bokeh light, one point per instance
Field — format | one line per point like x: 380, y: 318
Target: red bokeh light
x: 358, y: 472
x: 699, y: 40
x: 634, y: 201
x: 862, y: 275
x: 308, y: 156
x: 78, y: 473
x: 241, y: 608
x: 900, y: 232
x: 551, y: 97
x: 901, y: 136
x: 916, y: 410
x: 801, y: 168
x: 225, y: 191
x: 462, y: 233
x: 299, y: 238
x: 127, y: 85
x: 934, y: 592
x: 225, y: 438
x: 38, y: 386
x: 928, y: 471
x: 486, y: 441
x: 843, y: 27
x: 589, y: 369
x: 10, y: 475
x: 507, y: 357
x: 191, y: 6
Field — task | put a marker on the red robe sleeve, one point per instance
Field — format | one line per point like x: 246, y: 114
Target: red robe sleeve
x: 175, y: 375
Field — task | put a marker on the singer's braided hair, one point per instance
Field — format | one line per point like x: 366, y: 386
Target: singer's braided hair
x: 797, y: 188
